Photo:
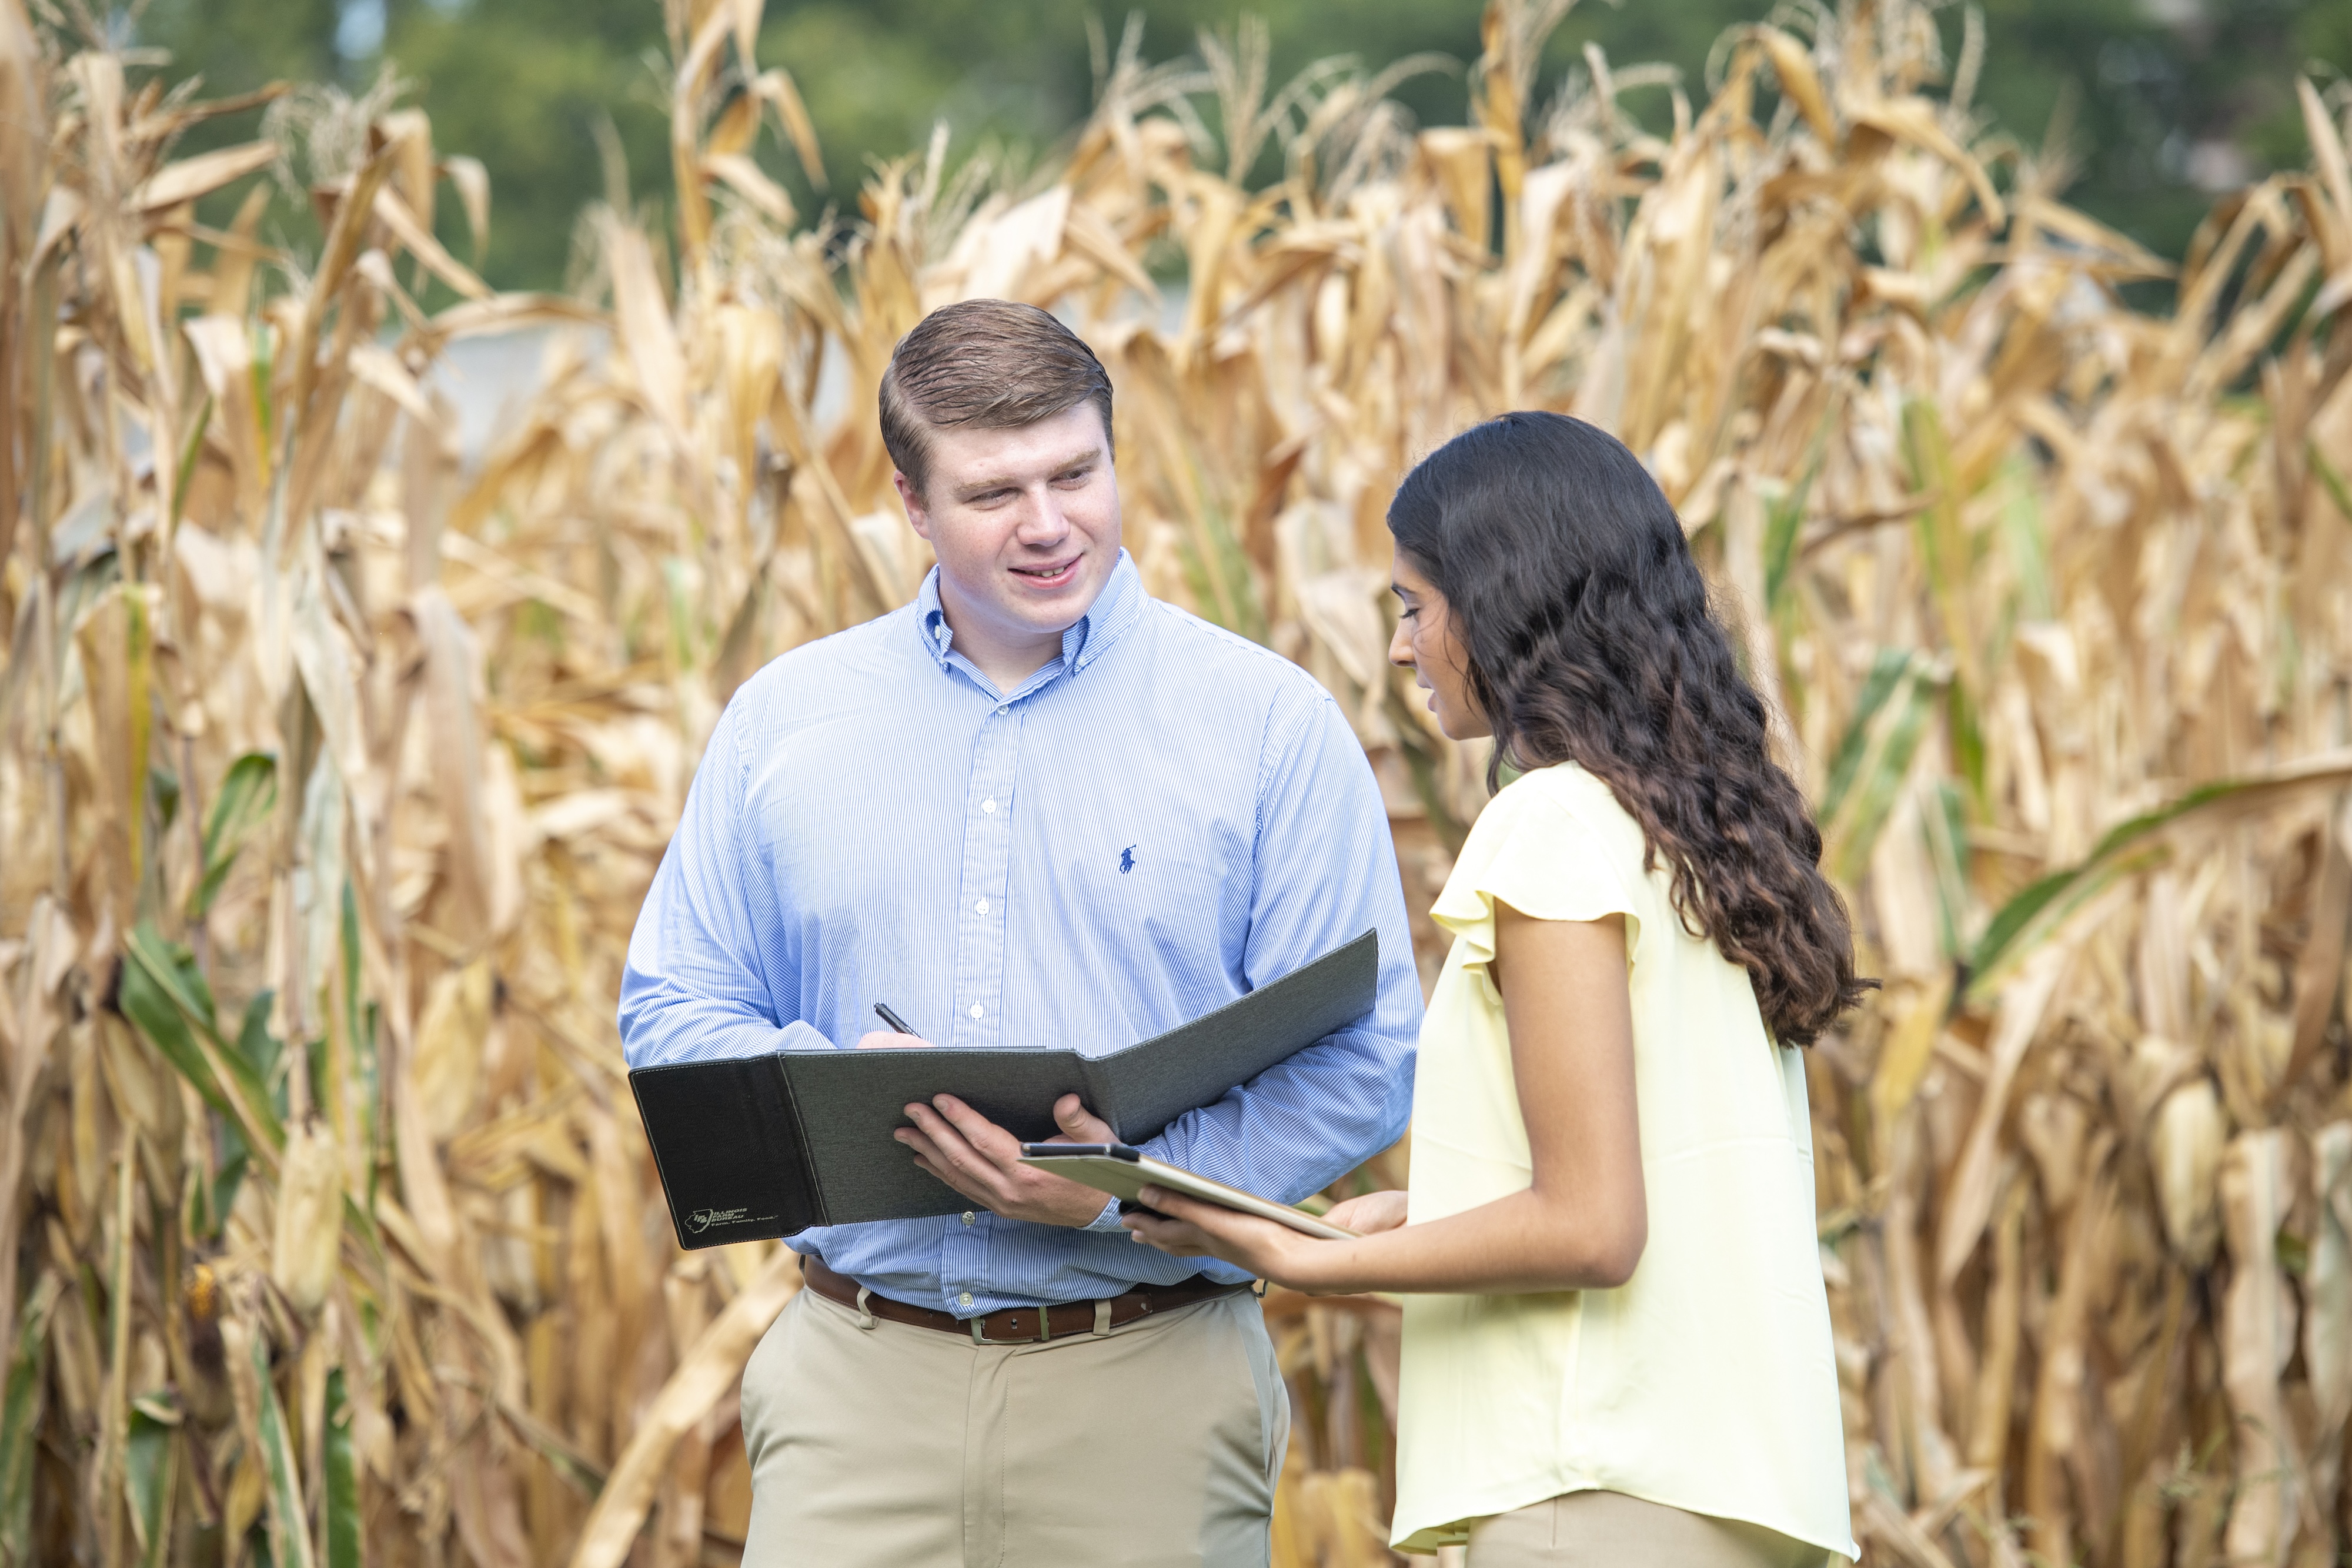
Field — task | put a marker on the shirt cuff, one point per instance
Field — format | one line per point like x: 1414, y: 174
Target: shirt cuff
x: 1107, y: 1220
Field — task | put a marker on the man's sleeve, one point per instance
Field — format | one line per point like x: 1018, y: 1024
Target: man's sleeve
x: 1326, y: 870
x: 695, y: 986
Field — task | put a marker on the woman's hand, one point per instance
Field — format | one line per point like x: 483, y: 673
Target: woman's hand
x: 1582, y: 1222
x: 1187, y: 1228
x: 1370, y: 1213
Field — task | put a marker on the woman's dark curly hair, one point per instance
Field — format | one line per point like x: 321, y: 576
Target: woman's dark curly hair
x: 1568, y: 584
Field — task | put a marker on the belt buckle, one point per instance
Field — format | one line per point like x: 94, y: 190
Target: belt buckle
x: 1044, y: 1330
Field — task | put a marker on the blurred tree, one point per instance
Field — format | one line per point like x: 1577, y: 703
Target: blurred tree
x: 2158, y: 103
x: 523, y: 85
x: 237, y: 45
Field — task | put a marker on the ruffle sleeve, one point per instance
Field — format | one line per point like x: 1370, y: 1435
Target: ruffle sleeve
x: 1551, y: 856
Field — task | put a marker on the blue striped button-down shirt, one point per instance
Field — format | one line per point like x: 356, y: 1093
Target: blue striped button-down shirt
x: 1157, y: 821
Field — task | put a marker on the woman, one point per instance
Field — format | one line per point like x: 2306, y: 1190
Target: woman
x: 1618, y: 1350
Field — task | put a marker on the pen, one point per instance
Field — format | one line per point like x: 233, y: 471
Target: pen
x: 894, y: 1020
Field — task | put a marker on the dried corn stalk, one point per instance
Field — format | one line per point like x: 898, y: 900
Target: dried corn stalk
x: 331, y: 775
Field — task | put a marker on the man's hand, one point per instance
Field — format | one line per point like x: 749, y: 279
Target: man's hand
x: 982, y: 1161
x: 874, y: 1039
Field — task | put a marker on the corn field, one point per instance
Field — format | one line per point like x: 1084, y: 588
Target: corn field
x: 333, y: 764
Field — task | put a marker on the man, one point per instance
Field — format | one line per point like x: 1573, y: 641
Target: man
x: 1037, y: 807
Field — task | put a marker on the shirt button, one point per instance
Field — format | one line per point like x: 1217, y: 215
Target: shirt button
x: 1005, y: 710
x: 963, y: 1298
x: 988, y: 805
x: 981, y: 908
x: 966, y: 1216
x: 975, y: 1010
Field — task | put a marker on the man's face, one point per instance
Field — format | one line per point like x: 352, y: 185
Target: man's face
x: 1025, y: 523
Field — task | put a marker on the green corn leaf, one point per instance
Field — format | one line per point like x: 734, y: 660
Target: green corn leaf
x: 1784, y: 519
x: 191, y: 450
x: 255, y: 1043
x: 348, y: 949
x: 2027, y: 540
x: 175, y: 973
x: 20, y: 1421
x: 1854, y: 830
x: 2031, y: 915
x: 2336, y: 489
x: 224, y: 1182
x: 290, y: 1531
x: 359, y: 1022
x: 1946, y: 825
x: 1943, y: 535
x: 341, y: 1524
x: 237, y: 1159
x: 260, y: 1048
x: 1949, y: 557
x: 242, y: 1093
x: 163, y: 789
x: 1220, y: 574
x: 149, y: 1008
x: 139, y: 664
x: 258, y: 1051
x: 249, y: 792
x: 151, y: 1474
x: 1889, y: 670
x: 264, y: 346
x: 570, y: 1465
x: 1967, y: 740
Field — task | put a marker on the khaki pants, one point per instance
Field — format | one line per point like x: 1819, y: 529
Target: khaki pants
x: 1610, y: 1530
x: 897, y: 1447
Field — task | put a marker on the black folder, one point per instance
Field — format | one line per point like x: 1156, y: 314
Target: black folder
x: 761, y: 1146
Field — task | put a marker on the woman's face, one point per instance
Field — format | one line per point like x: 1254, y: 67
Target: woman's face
x: 1424, y: 643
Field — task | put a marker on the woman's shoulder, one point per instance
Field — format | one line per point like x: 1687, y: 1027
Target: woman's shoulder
x: 1569, y: 783
x: 1566, y: 793
x: 1558, y: 819
x: 1547, y: 847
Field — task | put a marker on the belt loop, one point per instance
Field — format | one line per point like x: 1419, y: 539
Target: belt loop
x: 1102, y: 1317
x: 1044, y: 1322
x: 865, y: 1312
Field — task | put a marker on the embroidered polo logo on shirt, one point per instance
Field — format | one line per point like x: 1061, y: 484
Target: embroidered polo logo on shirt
x: 1126, y: 859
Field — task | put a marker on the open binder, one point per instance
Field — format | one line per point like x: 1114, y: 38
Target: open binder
x: 761, y: 1146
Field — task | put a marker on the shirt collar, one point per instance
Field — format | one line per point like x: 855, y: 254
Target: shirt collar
x: 1115, y: 610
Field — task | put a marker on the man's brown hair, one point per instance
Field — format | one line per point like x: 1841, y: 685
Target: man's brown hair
x: 990, y: 363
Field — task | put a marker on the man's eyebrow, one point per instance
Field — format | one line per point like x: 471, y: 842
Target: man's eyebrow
x: 999, y: 481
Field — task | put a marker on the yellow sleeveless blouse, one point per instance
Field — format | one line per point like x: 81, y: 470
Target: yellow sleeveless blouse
x: 1707, y: 1382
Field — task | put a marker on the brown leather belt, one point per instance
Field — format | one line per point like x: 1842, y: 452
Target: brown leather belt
x: 1018, y: 1325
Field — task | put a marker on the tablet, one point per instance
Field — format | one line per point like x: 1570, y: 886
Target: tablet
x: 1122, y: 1171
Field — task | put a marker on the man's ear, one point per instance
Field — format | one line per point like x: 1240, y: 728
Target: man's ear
x: 912, y: 500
